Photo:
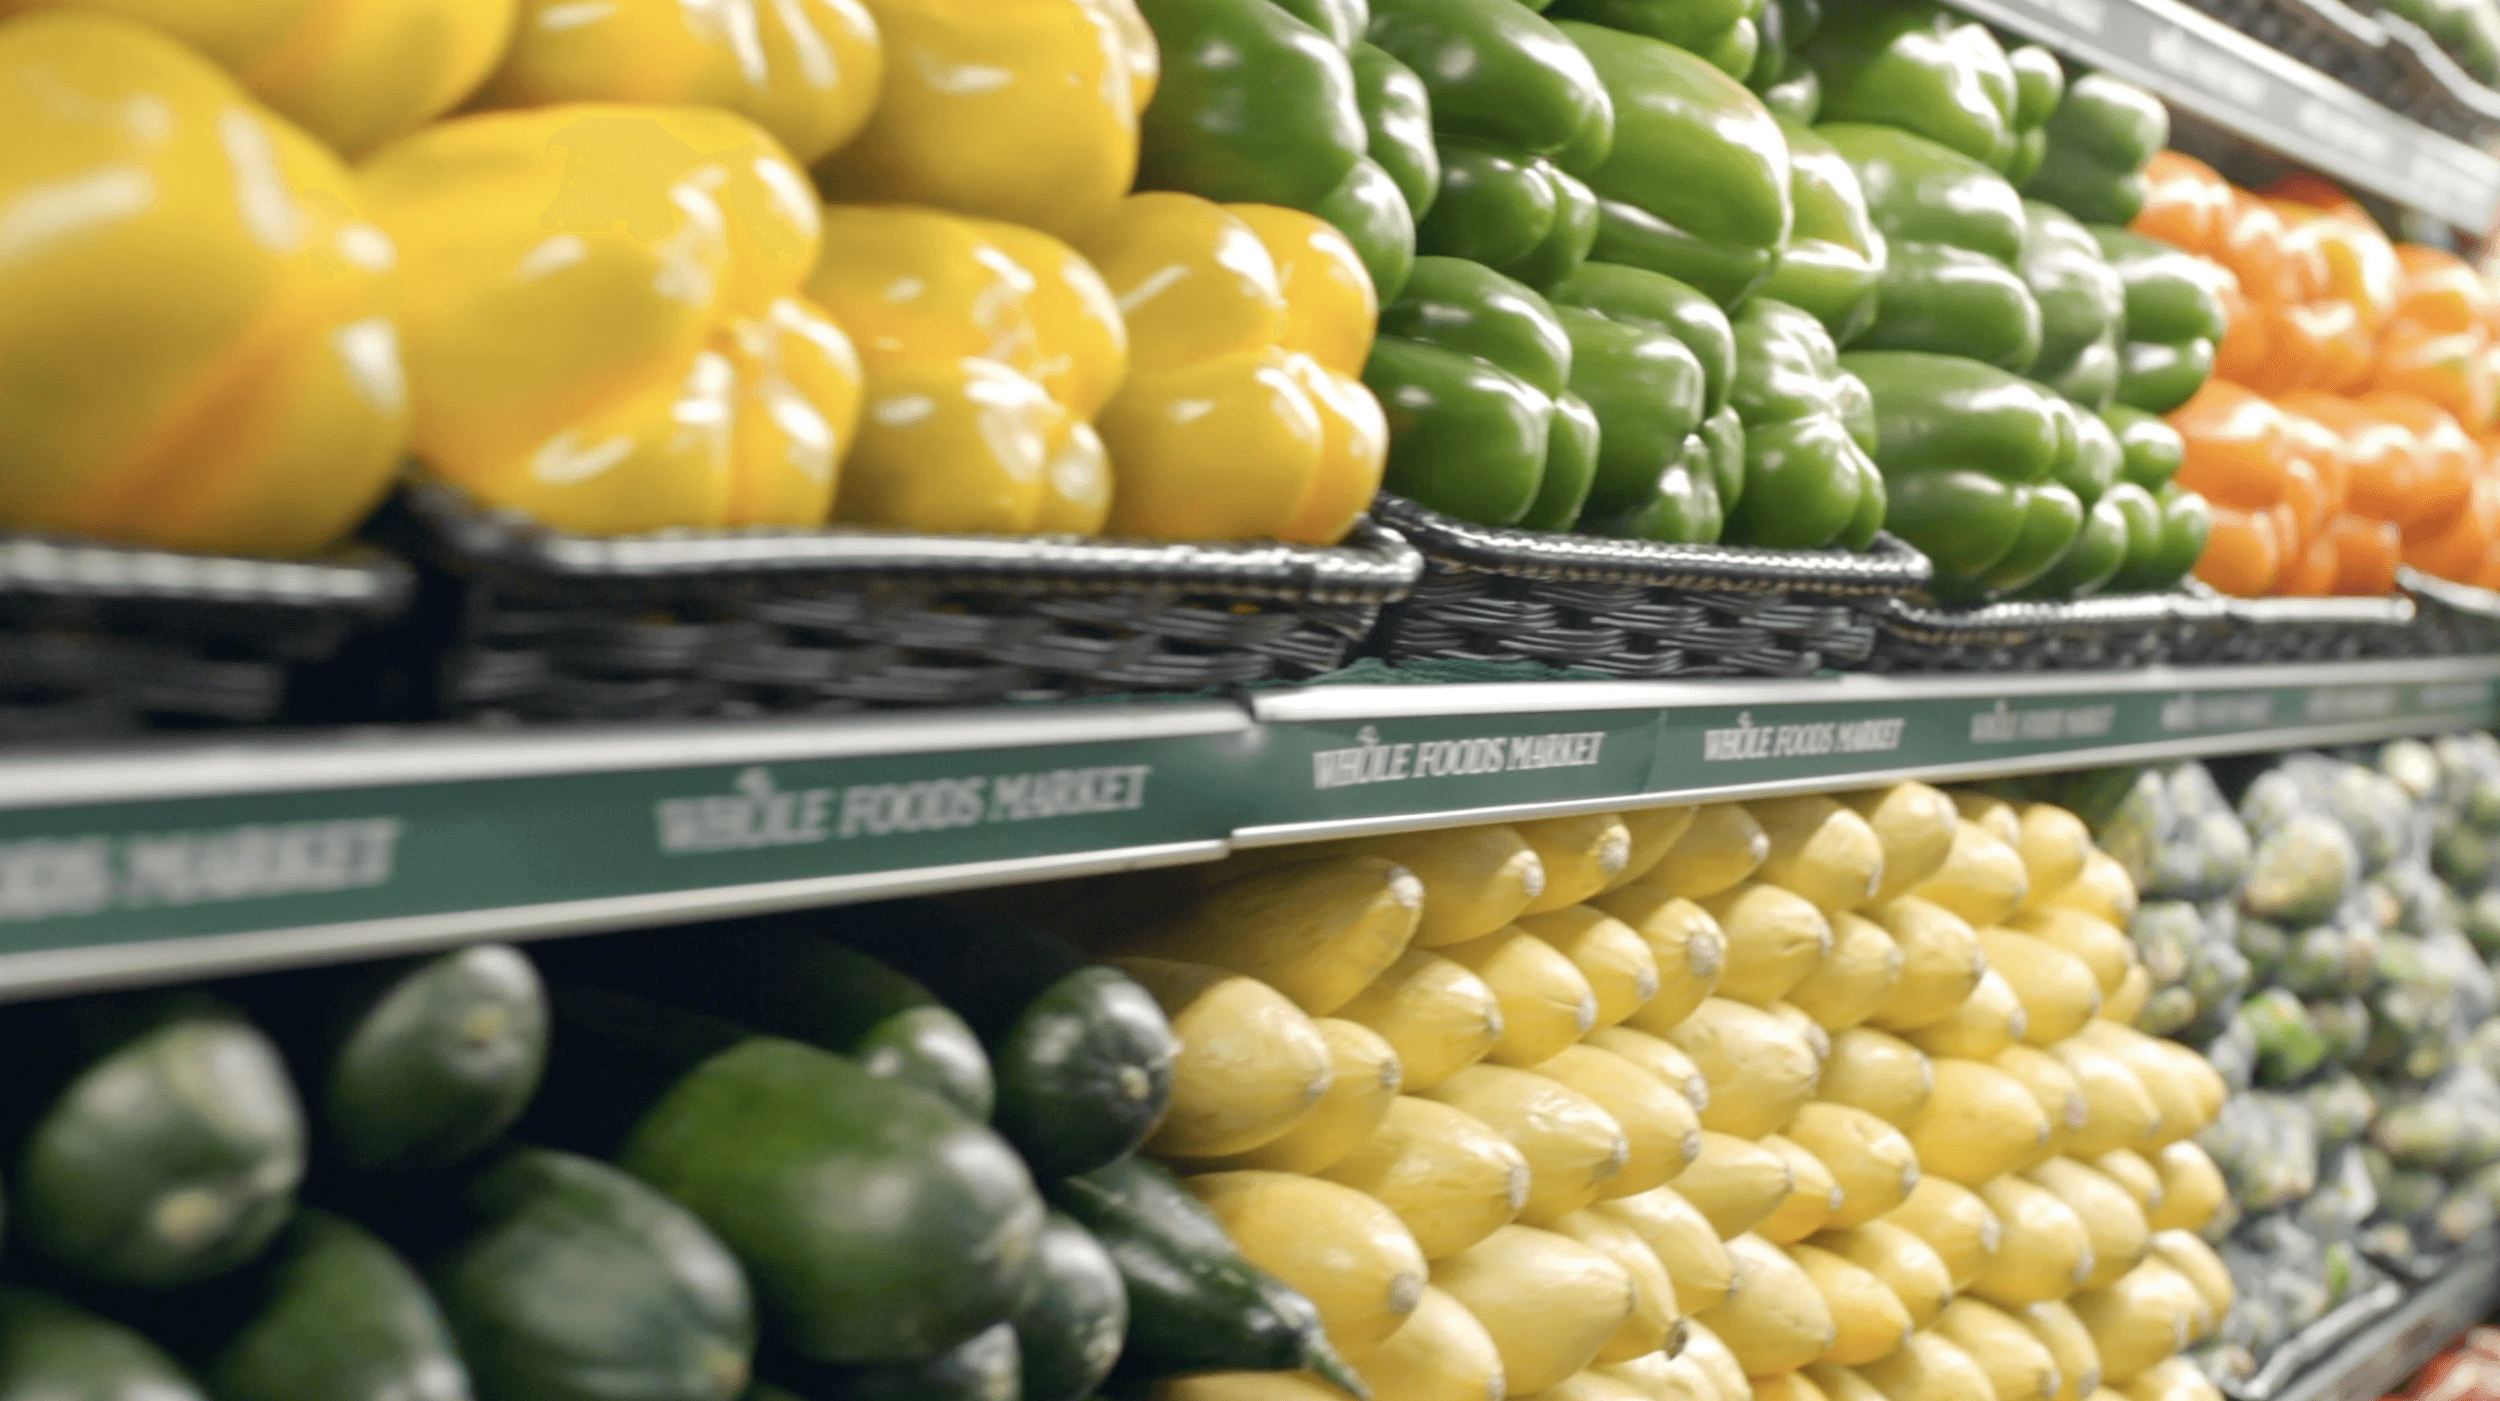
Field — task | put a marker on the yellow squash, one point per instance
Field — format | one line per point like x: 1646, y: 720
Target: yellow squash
x: 1982, y: 879
x: 2192, y: 1189
x: 1476, y: 879
x: 1658, y: 1123
x: 2019, y: 1366
x: 1441, y: 1353
x: 1581, y: 855
x: 2059, y: 995
x: 1787, y: 1386
x: 2045, y: 1252
x: 1317, y: 931
x: 2176, y: 1379
x: 1854, y: 979
x: 1774, y: 1320
x: 2055, y: 846
x: 1813, y: 1194
x: 1915, y: 824
x: 1735, y: 1184
x: 2149, y: 1314
x: 2117, y: 1111
x: 2104, y: 891
x: 1821, y: 850
x: 1930, y: 1368
x: 1664, y: 1377
x: 2191, y: 1257
x: 1653, y: 831
x: 2103, y: 947
x: 1438, y: 1016
x: 1879, y: 1073
x: 1591, y: 1386
x: 1251, y: 1065
x: 2133, y: 1172
x: 1688, y: 945
x: 1840, y: 1383
x: 1362, y: 1084
x: 2111, y: 1219
x: 1339, y: 1249
x: 1988, y: 1021
x: 1956, y: 1222
x: 1990, y: 813
x: 2053, y: 1088
x: 1548, y: 1302
x: 1451, y: 1179
x: 1686, y: 1244
x: 1714, y: 1357
x: 1872, y: 1162
x: 1941, y: 964
x: 1616, y: 960
x: 196, y: 303
x: 1573, y: 1146
x: 1758, y: 1067
x: 2070, y: 1346
x: 1775, y: 940
x: 1546, y: 1002
x: 1654, y: 1306
x: 1907, y: 1265
x: 1722, y: 847
x: 1659, y: 1057
x: 1979, y: 1124
x: 1868, y: 1319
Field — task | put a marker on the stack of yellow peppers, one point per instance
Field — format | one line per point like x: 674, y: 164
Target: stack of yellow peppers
x: 609, y: 293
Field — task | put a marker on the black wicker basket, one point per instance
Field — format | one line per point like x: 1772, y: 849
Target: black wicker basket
x: 101, y: 640
x: 534, y: 623
x: 2379, y: 55
x: 2197, y: 627
x: 2454, y: 619
x: 1630, y: 608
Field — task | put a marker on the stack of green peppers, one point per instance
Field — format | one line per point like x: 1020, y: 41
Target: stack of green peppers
x: 2174, y: 318
x: 2082, y: 306
x: 1955, y: 231
x: 1280, y: 102
x: 1928, y: 71
x: 2099, y: 140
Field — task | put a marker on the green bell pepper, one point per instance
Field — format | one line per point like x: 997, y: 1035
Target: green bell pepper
x: 1834, y: 258
x: 1343, y: 21
x: 1397, y: 119
x: 1254, y: 106
x: 1372, y: 213
x: 2169, y: 553
x: 1494, y: 207
x: 1696, y: 26
x: 1954, y: 230
x: 1919, y: 67
x: 1973, y: 458
x: 1639, y: 297
x: 2039, y: 85
x: 1809, y: 430
x: 1795, y: 94
x: 1696, y: 186
x: 2091, y: 560
x: 2150, y: 450
x: 2093, y: 467
x: 1567, y: 245
x: 2098, y: 142
x: 2082, y: 304
x: 1499, y: 74
x: 1646, y: 389
x: 2142, y: 514
x: 2174, y: 317
x: 1570, y: 466
x: 1685, y: 508
x: 1468, y: 368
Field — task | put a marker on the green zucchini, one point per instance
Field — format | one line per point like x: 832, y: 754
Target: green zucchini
x: 52, y: 1351
x: 157, y: 1139
x: 877, y: 1224
x: 567, y: 1280
x: 785, y: 981
x: 1073, y: 1315
x: 1083, y: 1056
x: 332, y: 1312
x: 983, y: 1367
x: 1194, y: 1305
x: 411, y: 1066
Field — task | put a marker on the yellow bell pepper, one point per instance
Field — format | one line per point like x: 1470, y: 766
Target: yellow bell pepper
x: 808, y: 73
x: 353, y: 72
x: 1242, y: 418
x: 604, y: 321
x: 1137, y: 43
x: 1018, y: 110
x: 1079, y: 338
x: 194, y: 347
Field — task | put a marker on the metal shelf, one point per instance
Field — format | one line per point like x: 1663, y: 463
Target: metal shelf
x: 150, y: 862
x: 2268, y: 97
x: 2372, y: 1362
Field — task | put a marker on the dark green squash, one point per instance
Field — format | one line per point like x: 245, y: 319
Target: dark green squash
x: 980, y: 1368
x: 333, y: 1313
x: 53, y: 1351
x: 1073, y: 1316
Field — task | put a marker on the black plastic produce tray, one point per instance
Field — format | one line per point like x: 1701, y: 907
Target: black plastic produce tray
x: 2453, y: 618
x: 1631, y: 608
x: 100, y: 640
x: 537, y: 624
x: 2197, y: 627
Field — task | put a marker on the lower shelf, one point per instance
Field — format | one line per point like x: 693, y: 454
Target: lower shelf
x: 2379, y: 1357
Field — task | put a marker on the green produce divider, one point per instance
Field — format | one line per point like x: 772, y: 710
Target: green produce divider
x: 149, y: 862
x: 2239, y: 84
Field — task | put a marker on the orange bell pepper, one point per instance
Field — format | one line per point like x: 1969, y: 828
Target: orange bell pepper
x: 2186, y: 204
x: 2309, y: 570
x: 2362, y: 280
x: 2381, y: 457
x: 2317, y: 192
x: 2238, y: 447
x: 2439, y: 341
x: 2449, y: 460
x: 2244, y: 552
x: 2460, y: 545
x: 2366, y: 555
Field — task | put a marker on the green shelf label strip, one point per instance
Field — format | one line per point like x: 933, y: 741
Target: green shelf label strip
x: 137, y: 864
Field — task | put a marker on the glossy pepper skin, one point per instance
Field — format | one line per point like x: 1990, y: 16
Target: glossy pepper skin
x: 196, y: 353
x: 1954, y: 231
x: 1973, y: 458
x: 1647, y: 391
x: 2099, y: 141
x: 604, y: 321
x: 353, y: 73
x: 2150, y: 450
x: 1703, y: 27
x: 1397, y: 122
x: 1467, y: 368
x: 809, y: 74
x: 1254, y: 106
x: 1697, y: 184
x: 2082, y: 306
x: 1242, y: 418
x: 1500, y: 75
x: 1921, y: 68
x: 1682, y: 493
x: 2174, y: 317
x: 1810, y: 431
x: 1835, y: 257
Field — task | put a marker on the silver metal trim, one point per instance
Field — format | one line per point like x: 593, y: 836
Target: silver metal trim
x: 57, y: 972
x: 383, y: 758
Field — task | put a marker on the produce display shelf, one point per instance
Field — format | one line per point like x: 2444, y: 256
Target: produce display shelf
x: 138, y: 863
x: 2374, y: 1361
x: 2268, y: 97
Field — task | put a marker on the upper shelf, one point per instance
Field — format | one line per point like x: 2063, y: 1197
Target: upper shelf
x: 140, y: 863
x: 2231, y: 80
